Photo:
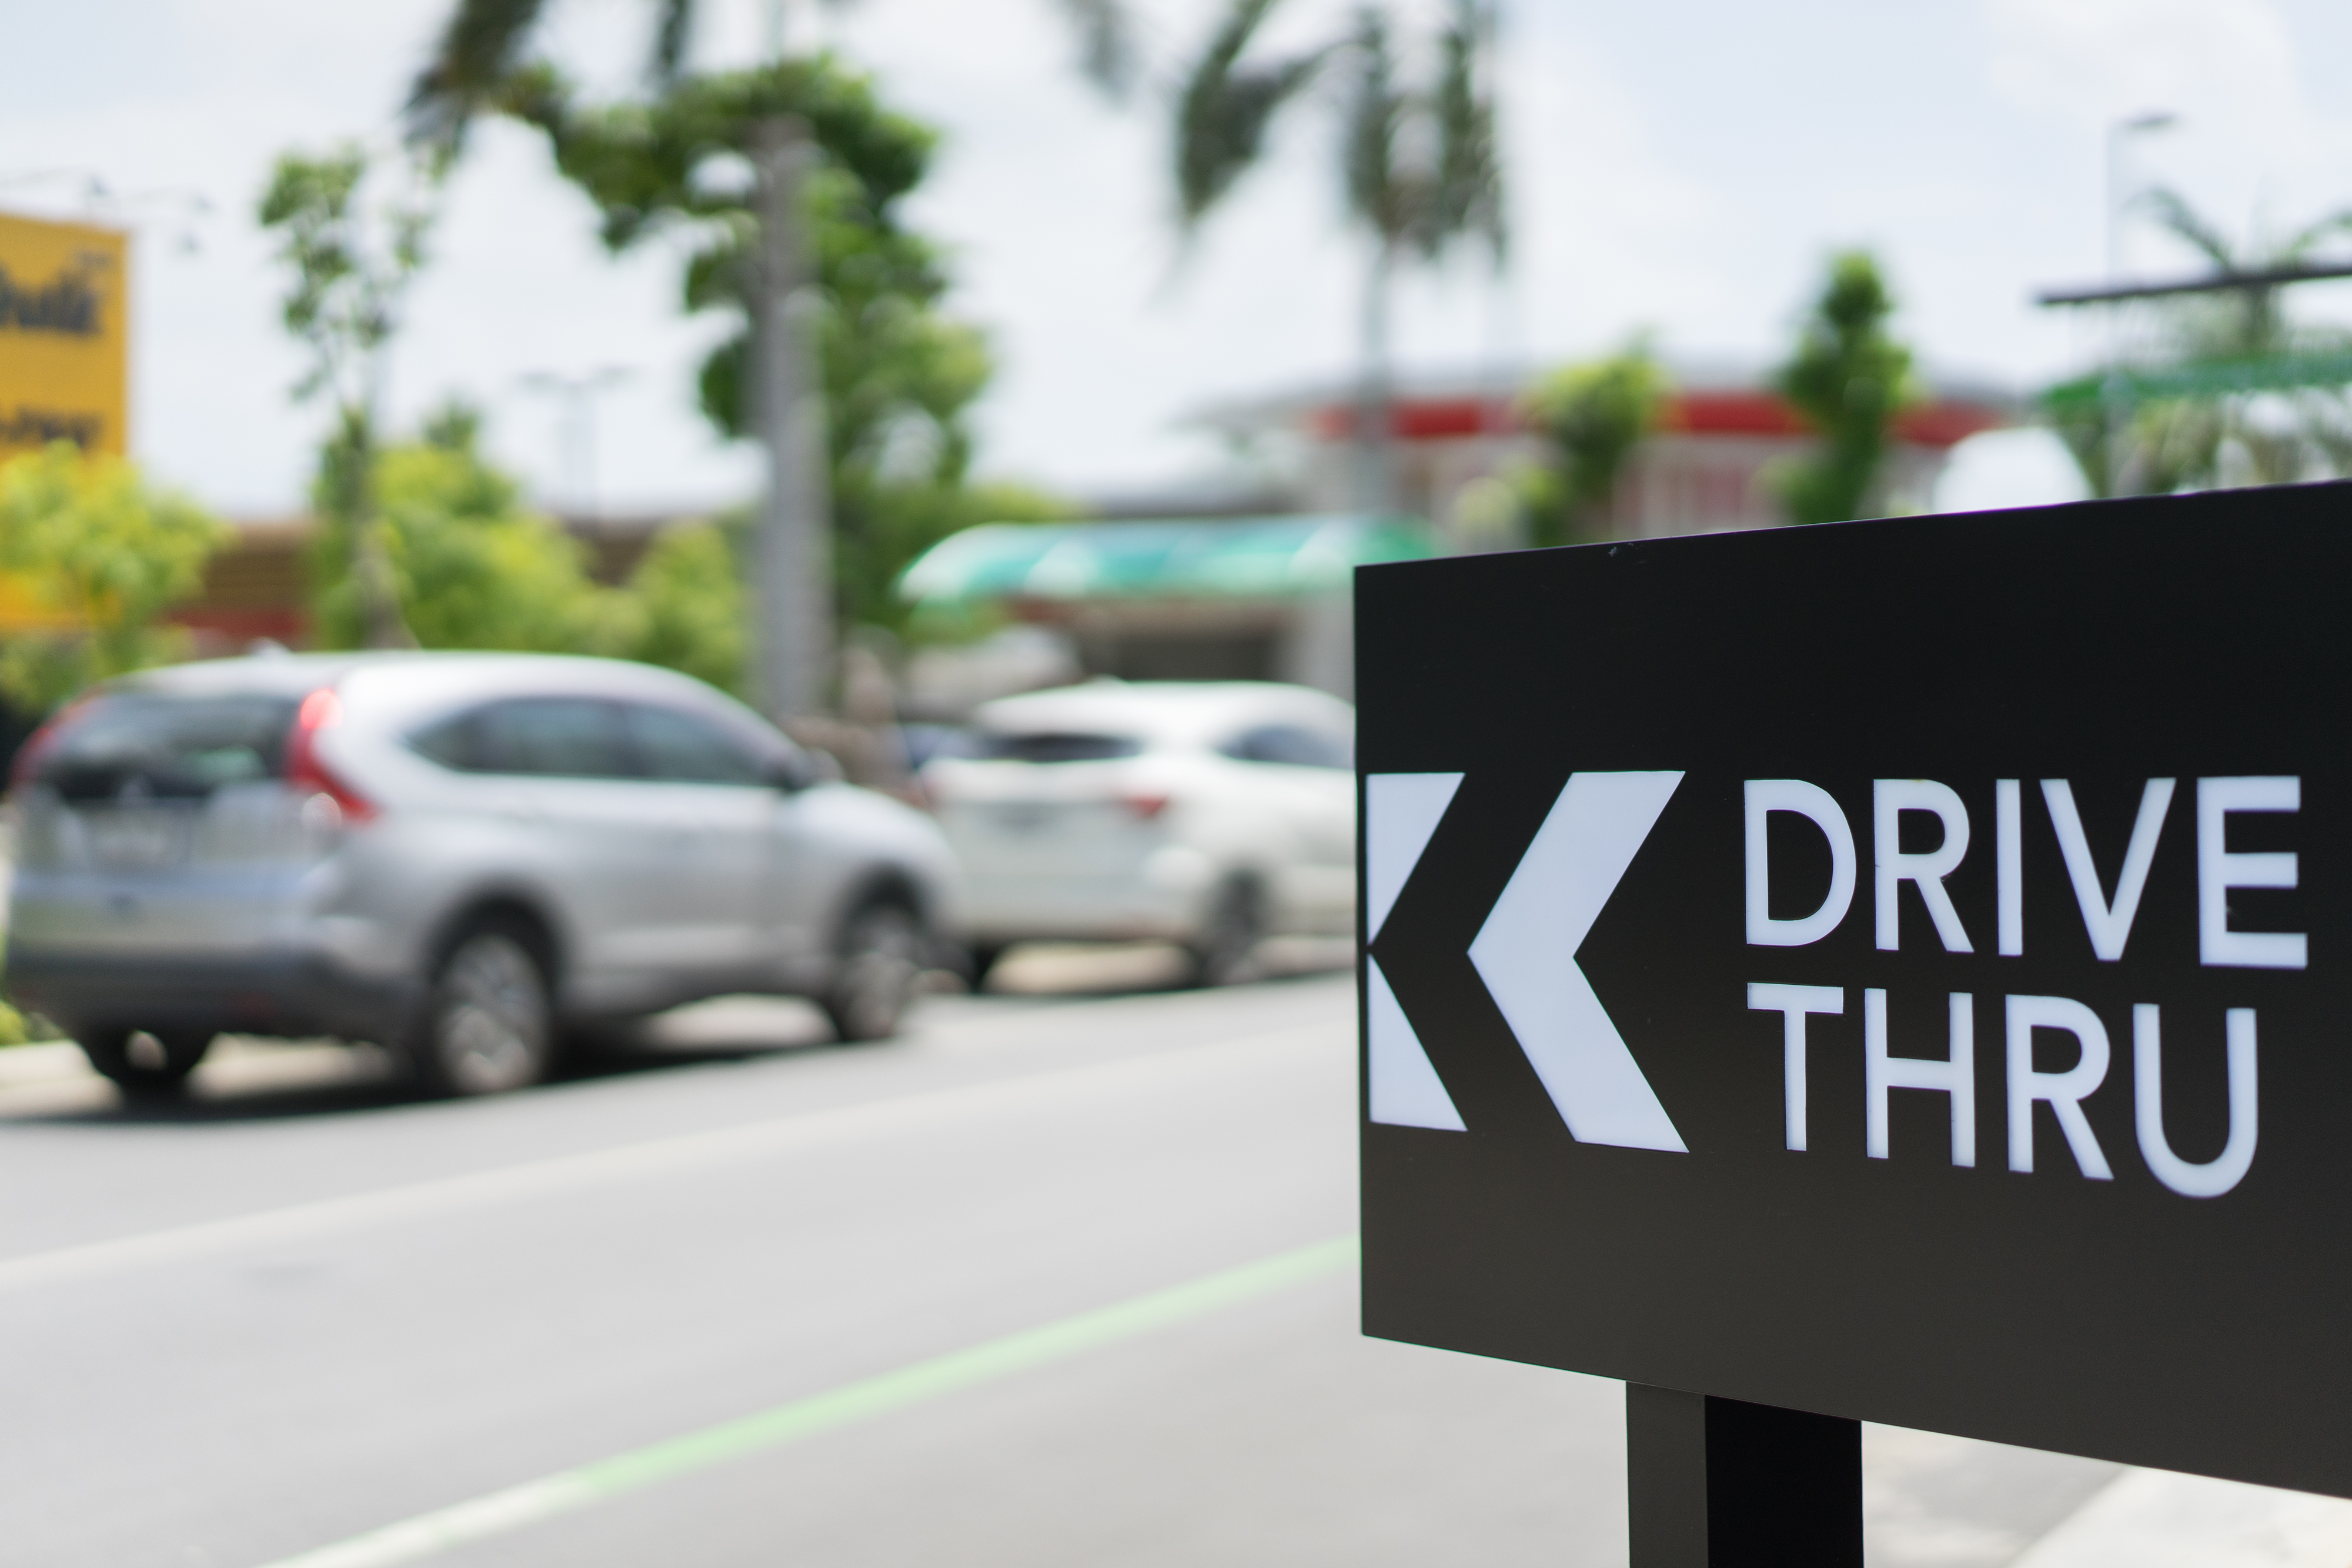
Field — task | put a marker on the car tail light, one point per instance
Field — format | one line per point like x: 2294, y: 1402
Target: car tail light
x: 1145, y: 806
x: 306, y: 774
x: 41, y: 742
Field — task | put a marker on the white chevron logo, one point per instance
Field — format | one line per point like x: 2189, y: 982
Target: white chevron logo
x: 1401, y: 812
x: 1525, y: 953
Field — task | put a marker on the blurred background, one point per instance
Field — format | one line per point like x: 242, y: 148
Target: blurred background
x: 912, y: 370
x: 1109, y: 331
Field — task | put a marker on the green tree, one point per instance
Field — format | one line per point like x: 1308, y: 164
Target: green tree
x: 483, y: 63
x: 1419, y: 170
x: 472, y: 566
x: 351, y: 264
x: 896, y: 376
x: 688, y: 595
x: 899, y: 376
x: 105, y: 554
x: 475, y: 568
x: 1848, y: 377
x: 1590, y: 417
x: 2128, y: 444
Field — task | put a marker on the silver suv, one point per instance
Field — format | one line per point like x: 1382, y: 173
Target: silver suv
x: 454, y: 855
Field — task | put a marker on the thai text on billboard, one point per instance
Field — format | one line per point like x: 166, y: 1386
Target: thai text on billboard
x: 64, y: 339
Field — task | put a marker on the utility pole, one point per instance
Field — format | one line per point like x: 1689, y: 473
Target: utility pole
x: 1375, y: 454
x: 792, y: 573
x: 2116, y: 411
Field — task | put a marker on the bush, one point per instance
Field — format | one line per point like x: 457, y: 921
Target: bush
x: 686, y: 596
x: 473, y: 568
x: 103, y: 554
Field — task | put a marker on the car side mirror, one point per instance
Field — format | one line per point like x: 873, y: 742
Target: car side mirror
x: 797, y: 769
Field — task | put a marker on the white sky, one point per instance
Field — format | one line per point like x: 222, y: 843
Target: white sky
x: 1681, y: 165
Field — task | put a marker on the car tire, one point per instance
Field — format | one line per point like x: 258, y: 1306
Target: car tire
x: 488, y: 1022
x: 880, y: 964
x: 1220, y: 953
x: 147, y: 1065
x: 979, y: 962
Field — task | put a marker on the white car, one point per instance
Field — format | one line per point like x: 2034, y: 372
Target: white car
x: 1211, y: 814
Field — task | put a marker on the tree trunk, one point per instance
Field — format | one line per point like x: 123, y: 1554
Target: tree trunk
x: 1374, y: 447
x: 793, y: 588
x: 382, y: 624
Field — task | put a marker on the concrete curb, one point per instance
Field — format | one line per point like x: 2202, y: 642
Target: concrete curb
x: 44, y: 1063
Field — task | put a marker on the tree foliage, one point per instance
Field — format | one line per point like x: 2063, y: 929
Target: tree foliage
x: 1419, y: 170
x: 1420, y: 167
x: 481, y: 46
x: 689, y: 598
x: 1225, y: 108
x: 346, y: 285
x: 472, y: 567
x: 105, y: 554
x: 476, y: 568
x: 1591, y: 418
x: 899, y: 376
x: 2154, y: 446
x: 1848, y: 378
x: 1108, y: 53
x: 1422, y: 170
x: 349, y: 266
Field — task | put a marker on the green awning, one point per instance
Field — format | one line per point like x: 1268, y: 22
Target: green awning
x: 2130, y: 386
x: 1248, y: 557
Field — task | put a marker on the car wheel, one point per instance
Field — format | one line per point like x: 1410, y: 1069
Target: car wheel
x: 979, y: 961
x: 1236, y: 924
x: 488, y: 1026
x: 146, y: 1064
x: 882, y: 948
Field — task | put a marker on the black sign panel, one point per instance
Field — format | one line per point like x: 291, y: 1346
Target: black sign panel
x: 1899, y: 970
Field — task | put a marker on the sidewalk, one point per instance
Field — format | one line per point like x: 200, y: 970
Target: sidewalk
x: 1937, y: 1501
x: 2151, y: 1519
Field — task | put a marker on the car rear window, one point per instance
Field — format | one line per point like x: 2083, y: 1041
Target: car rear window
x: 1291, y: 745
x: 166, y: 747
x: 1055, y: 747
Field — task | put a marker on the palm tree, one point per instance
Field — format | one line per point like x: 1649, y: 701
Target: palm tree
x: 2184, y: 440
x: 483, y: 47
x: 1419, y: 170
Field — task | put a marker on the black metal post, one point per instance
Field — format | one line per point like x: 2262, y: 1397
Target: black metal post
x: 1718, y: 1483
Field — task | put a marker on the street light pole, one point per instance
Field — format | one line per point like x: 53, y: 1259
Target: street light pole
x: 2115, y: 412
x: 578, y: 395
x: 2118, y: 134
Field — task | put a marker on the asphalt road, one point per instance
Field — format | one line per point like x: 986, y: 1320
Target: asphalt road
x: 305, y: 1310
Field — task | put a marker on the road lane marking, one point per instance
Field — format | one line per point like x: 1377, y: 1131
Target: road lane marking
x: 566, y: 1492
x: 683, y: 1152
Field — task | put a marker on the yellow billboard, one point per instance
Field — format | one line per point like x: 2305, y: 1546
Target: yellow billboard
x: 64, y: 336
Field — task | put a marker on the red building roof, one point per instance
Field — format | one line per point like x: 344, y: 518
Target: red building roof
x: 1940, y: 422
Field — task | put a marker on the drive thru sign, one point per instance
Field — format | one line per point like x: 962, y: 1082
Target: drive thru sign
x: 1897, y: 971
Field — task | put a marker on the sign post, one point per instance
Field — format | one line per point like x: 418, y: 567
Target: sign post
x: 1888, y: 971
x: 1718, y: 1483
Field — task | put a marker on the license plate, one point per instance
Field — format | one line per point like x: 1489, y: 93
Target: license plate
x: 134, y: 839
x: 1024, y: 819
